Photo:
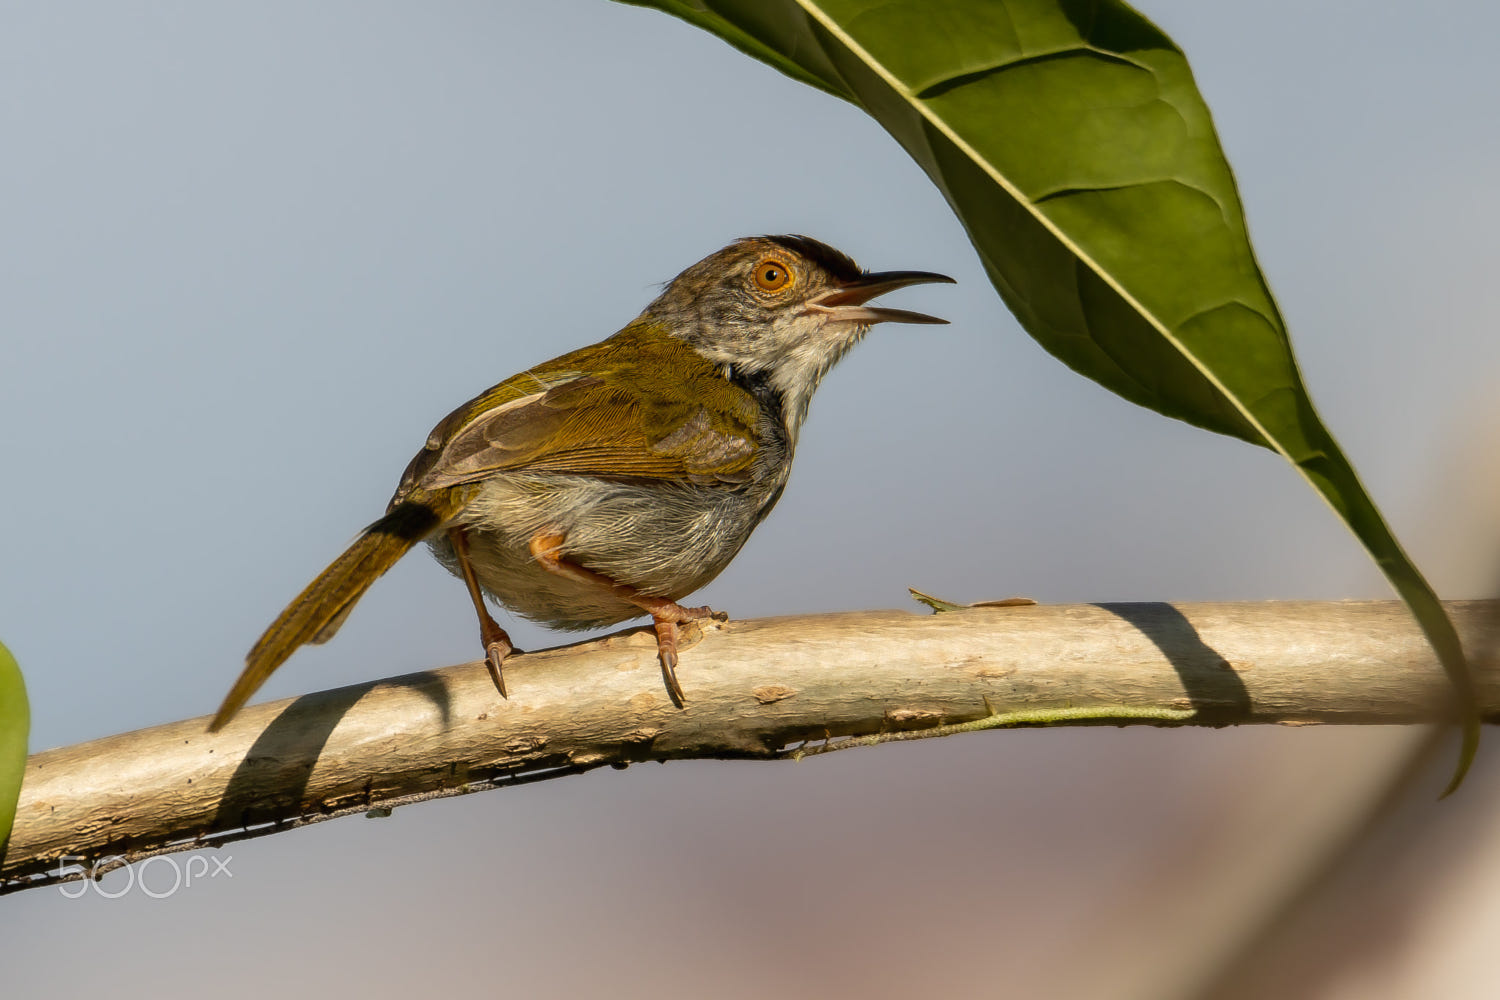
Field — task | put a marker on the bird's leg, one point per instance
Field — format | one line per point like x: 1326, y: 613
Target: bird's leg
x: 497, y: 645
x: 546, y: 549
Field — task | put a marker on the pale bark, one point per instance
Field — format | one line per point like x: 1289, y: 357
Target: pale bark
x: 756, y: 689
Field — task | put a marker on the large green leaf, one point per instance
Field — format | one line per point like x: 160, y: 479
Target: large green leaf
x: 15, y: 725
x: 1071, y: 141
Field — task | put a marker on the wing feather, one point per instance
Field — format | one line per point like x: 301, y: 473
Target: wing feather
x: 649, y: 407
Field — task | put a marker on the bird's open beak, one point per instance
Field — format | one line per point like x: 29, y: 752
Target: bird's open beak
x: 847, y: 302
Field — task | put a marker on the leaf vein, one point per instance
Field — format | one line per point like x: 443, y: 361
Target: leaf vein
x: 959, y: 80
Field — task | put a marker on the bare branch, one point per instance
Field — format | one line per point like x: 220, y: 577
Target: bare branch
x: 756, y: 689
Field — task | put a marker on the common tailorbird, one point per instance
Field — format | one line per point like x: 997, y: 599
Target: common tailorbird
x: 612, y: 482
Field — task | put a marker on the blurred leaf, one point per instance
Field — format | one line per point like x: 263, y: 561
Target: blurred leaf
x: 937, y: 604
x: 1071, y: 141
x: 15, y: 725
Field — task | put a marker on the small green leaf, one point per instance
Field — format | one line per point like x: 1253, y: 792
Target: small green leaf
x: 937, y: 604
x: 1072, y: 142
x: 15, y: 726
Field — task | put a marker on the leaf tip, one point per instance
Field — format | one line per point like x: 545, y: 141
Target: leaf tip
x: 1466, y: 754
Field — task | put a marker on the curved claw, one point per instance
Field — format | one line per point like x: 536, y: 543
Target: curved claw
x: 666, y: 652
x: 494, y: 656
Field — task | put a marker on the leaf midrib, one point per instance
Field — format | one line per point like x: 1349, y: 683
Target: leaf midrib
x: 816, y: 12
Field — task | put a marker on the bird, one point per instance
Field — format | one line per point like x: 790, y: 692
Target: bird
x: 612, y: 482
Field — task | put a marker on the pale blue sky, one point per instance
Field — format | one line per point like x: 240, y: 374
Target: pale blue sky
x: 250, y: 253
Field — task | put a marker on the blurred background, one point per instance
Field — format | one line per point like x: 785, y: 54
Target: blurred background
x: 251, y: 253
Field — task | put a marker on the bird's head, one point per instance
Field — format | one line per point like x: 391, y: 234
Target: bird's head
x: 780, y: 308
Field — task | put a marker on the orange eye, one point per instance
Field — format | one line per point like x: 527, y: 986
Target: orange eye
x: 772, y: 275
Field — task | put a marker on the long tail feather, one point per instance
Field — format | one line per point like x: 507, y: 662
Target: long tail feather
x: 317, y: 612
